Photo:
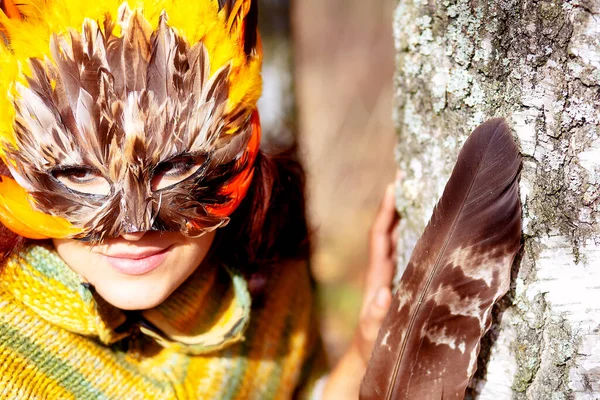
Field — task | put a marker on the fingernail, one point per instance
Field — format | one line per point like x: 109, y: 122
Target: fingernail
x: 399, y: 175
x: 389, y: 190
x: 381, y: 298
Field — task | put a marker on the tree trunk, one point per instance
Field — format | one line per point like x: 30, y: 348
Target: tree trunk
x: 277, y: 104
x: 537, y: 64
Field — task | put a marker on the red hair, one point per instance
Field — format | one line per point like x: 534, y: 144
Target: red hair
x: 268, y: 226
x: 9, y: 241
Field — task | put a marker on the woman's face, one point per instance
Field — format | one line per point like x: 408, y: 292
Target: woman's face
x: 136, y: 271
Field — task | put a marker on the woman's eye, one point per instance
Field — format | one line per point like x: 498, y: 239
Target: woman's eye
x: 176, y: 170
x: 83, y: 180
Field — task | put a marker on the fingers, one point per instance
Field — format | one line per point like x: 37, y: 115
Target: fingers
x: 395, y: 238
x: 382, y: 247
x: 383, y: 225
x: 344, y: 380
x: 371, y: 321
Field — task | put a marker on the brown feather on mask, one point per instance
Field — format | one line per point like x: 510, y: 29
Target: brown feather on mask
x: 428, y: 344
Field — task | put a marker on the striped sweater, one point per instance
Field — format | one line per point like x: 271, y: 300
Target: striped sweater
x: 58, y: 340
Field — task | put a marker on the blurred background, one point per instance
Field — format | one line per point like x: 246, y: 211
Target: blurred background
x: 328, y: 87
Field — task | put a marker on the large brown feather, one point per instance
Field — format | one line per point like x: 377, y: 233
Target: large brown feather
x: 136, y: 51
x: 428, y: 345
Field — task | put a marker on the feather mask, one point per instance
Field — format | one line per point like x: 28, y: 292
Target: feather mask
x: 428, y: 344
x: 118, y: 119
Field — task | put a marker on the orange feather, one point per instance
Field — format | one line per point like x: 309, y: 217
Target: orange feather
x: 238, y: 187
x: 11, y: 10
x: 17, y: 215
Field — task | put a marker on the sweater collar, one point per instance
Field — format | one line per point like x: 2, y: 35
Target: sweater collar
x: 208, y: 312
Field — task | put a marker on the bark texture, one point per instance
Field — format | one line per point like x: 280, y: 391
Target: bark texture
x: 537, y: 64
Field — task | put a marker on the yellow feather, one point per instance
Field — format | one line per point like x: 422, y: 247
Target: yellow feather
x: 195, y: 20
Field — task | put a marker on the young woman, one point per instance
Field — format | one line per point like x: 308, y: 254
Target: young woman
x: 149, y: 248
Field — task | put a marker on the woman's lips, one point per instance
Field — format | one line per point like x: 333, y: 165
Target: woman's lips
x: 137, y: 263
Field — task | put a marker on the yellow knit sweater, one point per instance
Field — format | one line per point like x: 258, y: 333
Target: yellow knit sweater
x: 58, y: 340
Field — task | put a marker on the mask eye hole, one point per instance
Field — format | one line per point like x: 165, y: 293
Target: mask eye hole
x: 175, y: 170
x: 83, y: 179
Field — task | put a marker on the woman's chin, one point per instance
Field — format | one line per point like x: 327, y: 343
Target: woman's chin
x: 133, y: 295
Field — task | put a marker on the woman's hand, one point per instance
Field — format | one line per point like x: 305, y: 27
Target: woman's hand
x: 344, y: 380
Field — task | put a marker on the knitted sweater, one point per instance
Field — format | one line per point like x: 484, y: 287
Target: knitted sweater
x: 59, y: 340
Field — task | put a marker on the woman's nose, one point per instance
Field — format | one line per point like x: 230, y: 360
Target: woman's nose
x: 134, y: 236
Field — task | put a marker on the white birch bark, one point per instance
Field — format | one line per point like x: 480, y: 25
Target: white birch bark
x: 537, y: 64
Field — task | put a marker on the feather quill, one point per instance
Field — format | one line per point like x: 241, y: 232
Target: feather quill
x: 428, y: 344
